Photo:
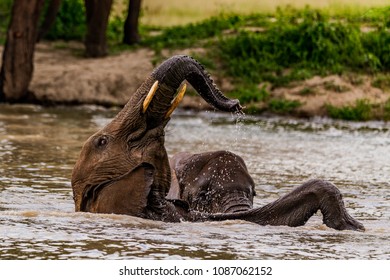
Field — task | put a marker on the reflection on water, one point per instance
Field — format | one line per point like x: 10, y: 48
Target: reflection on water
x: 38, y: 148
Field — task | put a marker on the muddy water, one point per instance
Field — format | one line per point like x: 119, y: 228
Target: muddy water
x: 38, y: 147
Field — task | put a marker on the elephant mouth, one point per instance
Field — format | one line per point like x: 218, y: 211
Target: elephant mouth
x: 237, y: 208
x: 175, y: 102
x: 236, y: 202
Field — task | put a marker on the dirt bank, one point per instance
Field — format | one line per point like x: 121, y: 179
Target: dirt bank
x: 63, y: 75
x: 339, y: 91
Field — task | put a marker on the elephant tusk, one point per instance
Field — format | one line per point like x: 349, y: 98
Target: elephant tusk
x: 149, y: 97
x: 177, y: 100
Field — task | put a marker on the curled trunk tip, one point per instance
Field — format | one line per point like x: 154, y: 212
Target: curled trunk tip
x: 179, y: 68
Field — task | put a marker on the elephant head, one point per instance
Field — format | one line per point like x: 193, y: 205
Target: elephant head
x: 128, y: 156
x: 212, y: 182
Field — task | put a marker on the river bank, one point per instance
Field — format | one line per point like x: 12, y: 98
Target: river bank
x: 63, y: 76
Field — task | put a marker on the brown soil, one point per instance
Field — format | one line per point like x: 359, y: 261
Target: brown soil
x: 63, y: 75
x: 339, y: 91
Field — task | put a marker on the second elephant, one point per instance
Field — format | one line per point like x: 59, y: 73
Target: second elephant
x: 219, y: 183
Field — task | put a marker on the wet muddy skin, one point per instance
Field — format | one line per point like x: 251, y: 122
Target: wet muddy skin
x: 39, y: 146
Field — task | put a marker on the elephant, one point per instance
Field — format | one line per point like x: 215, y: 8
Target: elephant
x: 220, y: 176
x: 124, y: 167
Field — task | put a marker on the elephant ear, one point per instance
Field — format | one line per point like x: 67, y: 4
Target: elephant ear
x: 127, y: 194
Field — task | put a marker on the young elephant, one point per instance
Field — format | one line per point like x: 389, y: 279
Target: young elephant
x: 124, y: 167
x: 218, y: 182
x: 214, y: 182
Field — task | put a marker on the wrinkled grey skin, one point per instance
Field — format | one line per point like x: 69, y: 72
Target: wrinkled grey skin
x: 220, y: 177
x: 124, y: 167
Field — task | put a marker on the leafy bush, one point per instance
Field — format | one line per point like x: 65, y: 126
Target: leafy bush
x: 115, y: 29
x: 377, y: 45
x: 311, y: 42
x: 5, y: 11
x: 5, y: 15
x: 70, y: 23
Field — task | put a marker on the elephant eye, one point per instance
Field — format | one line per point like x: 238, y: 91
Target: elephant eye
x: 102, y: 141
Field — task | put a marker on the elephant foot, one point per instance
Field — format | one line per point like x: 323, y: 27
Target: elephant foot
x: 295, y: 209
x: 346, y: 223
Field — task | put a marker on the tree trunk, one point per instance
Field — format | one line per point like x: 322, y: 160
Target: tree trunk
x: 51, y: 13
x: 131, y: 35
x: 97, y: 12
x: 17, y: 68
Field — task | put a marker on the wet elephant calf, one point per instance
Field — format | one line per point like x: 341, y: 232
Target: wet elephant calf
x: 214, y: 182
x: 218, y: 182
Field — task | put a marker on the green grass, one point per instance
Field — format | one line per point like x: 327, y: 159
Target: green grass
x: 5, y: 15
x: 382, y: 81
x: 386, y: 114
x: 297, y: 46
x: 331, y: 86
x: 307, y: 91
x: 250, y: 94
x: 315, y: 46
x: 70, y: 21
x: 307, y: 43
x: 361, y: 111
x: 283, y: 106
x: 192, y: 34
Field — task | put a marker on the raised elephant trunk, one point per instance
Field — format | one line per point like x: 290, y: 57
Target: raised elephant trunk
x: 175, y: 70
x: 155, y: 97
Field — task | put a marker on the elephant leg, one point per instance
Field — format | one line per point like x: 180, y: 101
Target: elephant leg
x: 295, y: 208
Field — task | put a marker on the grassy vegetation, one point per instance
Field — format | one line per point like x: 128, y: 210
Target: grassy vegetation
x: 289, y: 46
x: 382, y: 81
x: 386, y: 114
x: 307, y: 42
x: 250, y: 94
x: 192, y: 34
x: 70, y: 21
x: 361, y: 111
x: 5, y: 14
x: 336, y: 88
x: 69, y: 24
x: 283, y: 106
